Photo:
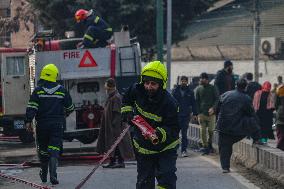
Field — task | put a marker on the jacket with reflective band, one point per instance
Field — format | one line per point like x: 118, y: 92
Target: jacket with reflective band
x: 49, y: 102
x: 160, y: 112
x: 97, y: 21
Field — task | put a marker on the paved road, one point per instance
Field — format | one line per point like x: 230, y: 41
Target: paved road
x: 195, y: 172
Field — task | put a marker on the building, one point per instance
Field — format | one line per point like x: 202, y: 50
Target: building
x: 227, y: 32
x: 8, y: 9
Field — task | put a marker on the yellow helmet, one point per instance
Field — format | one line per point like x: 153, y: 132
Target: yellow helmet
x: 280, y: 91
x: 156, y: 70
x: 49, y: 73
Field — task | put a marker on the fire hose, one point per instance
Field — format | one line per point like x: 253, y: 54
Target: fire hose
x: 31, y: 184
x: 106, y: 155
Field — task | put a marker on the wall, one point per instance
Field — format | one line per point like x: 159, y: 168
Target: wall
x: 269, y: 69
x: 20, y: 39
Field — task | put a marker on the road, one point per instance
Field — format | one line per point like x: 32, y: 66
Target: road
x: 194, y: 172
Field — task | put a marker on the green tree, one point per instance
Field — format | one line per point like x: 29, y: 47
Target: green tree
x: 138, y: 15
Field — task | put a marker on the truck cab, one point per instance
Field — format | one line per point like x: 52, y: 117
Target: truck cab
x: 14, y: 92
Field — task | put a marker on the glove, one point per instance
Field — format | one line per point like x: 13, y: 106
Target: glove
x: 127, y: 117
x: 161, y: 134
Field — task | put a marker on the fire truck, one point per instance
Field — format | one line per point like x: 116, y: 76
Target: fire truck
x: 83, y: 73
x: 14, y: 92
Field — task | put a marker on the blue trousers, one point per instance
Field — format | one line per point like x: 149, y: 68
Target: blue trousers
x: 183, y: 124
x: 100, y: 37
x: 161, y: 166
x: 49, y: 140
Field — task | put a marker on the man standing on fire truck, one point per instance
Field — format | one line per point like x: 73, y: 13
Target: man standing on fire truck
x: 48, y: 104
x: 97, y: 30
x: 150, y: 100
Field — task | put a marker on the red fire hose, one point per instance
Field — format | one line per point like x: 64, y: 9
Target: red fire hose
x: 112, y: 148
x: 31, y: 184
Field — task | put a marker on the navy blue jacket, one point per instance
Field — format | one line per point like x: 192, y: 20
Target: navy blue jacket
x: 186, y: 103
x: 160, y: 112
x: 49, y: 102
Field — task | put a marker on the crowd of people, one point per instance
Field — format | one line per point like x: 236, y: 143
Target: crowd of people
x: 235, y: 109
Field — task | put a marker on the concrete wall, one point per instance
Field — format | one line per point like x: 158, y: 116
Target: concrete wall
x: 269, y: 69
x: 263, y: 159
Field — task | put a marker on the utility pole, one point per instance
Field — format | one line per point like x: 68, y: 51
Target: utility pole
x: 159, y: 29
x: 256, y: 28
x: 169, y: 41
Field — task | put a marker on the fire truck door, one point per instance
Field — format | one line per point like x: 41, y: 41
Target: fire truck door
x: 15, y: 82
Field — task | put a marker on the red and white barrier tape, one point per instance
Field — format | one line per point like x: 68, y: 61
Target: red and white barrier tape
x: 112, y: 148
x: 19, y: 180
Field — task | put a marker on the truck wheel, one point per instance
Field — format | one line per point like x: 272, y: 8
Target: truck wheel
x: 88, y: 139
x: 26, y: 137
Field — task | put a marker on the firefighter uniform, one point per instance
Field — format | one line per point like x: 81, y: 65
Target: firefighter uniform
x: 161, y: 113
x: 98, y: 31
x: 49, y: 104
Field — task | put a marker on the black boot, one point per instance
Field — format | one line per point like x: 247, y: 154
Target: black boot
x: 43, y: 172
x: 52, y: 170
x: 111, y: 163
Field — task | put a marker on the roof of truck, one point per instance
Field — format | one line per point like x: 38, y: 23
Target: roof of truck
x: 12, y: 50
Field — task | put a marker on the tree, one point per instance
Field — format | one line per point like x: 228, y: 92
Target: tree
x: 138, y: 15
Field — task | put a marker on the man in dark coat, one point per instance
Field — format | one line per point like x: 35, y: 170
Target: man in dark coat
x: 225, y: 80
x: 253, y: 86
x: 112, y: 127
x: 187, y: 105
x: 236, y: 120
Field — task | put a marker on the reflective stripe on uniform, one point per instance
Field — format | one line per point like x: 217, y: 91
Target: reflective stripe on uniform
x: 48, y: 96
x: 148, y: 115
x: 33, y: 105
x: 109, y: 29
x: 40, y: 92
x: 160, y: 187
x: 70, y: 107
x: 60, y: 93
x: 53, y: 148
x: 43, y: 153
x: 148, y: 152
x: 126, y: 109
x: 86, y: 36
x: 96, y: 19
x: 164, y: 134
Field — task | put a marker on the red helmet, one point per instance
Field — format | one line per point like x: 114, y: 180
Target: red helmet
x: 81, y: 14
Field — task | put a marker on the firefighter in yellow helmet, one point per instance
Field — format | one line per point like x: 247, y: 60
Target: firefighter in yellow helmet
x: 279, y: 105
x: 49, y: 104
x: 150, y: 99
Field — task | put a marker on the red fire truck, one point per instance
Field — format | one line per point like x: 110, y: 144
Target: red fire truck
x: 83, y: 73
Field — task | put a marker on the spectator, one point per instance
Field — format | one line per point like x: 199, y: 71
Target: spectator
x: 111, y: 128
x: 280, y: 80
x: 236, y: 120
x: 225, y: 80
x: 185, y: 98
x: 206, y: 96
x: 253, y: 86
x: 279, y: 105
x: 263, y: 104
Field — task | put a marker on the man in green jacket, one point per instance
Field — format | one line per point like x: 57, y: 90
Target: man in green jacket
x: 206, y: 96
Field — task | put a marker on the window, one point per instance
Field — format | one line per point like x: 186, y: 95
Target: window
x: 15, y: 66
